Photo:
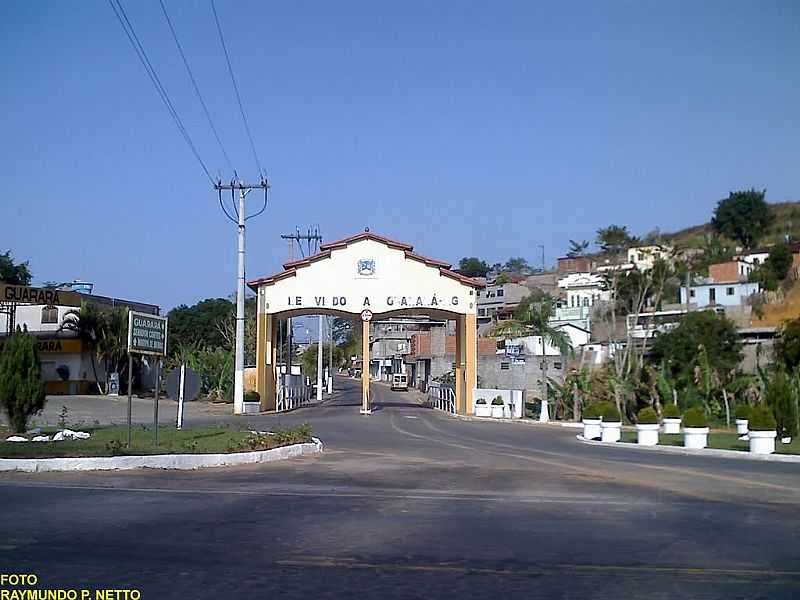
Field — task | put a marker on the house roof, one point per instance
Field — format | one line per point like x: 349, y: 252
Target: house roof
x: 290, y: 268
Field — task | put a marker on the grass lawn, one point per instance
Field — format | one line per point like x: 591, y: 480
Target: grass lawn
x: 722, y: 440
x: 112, y: 441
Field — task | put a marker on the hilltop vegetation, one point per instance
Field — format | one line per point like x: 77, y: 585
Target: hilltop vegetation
x: 785, y: 219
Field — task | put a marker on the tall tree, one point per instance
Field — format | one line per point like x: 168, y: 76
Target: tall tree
x: 14, y: 273
x: 472, y: 266
x: 716, y: 334
x: 517, y: 264
x: 614, y: 239
x: 787, y: 346
x: 22, y: 392
x: 112, y: 345
x: 577, y: 248
x: 743, y: 216
x: 87, y: 325
x: 200, y: 324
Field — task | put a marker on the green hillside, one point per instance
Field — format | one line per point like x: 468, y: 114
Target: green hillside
x: 787, y: 220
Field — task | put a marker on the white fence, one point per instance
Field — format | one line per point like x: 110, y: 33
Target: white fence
x: 442, y: 397
x: 292, y: 396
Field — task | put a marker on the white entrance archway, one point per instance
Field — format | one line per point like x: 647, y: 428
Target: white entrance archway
x: 367, y: 272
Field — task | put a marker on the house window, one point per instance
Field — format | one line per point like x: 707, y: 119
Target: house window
x: 49, y: 315
x: 691, y: 293
x: 504, y: 366
x: 557, y: 366
x: 585, y: 301
x: 729, y: 291
x: 481, y: 312
x: 500, y: 293
x: 712, y: 295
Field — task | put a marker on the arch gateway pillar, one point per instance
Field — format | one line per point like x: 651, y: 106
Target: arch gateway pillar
x: 367, y: 272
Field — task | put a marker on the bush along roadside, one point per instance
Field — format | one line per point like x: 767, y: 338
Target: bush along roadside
x: 612, y: 423
x: 671, y: 419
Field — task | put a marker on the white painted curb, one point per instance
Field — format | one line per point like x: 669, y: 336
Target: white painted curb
x: 158, y: 461
x: 735, y: 454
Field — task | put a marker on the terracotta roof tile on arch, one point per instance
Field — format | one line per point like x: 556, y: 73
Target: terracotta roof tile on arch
x: 290, y: 268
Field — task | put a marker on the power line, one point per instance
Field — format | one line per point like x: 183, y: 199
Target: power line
x: 194, y: 84
x: 236, y: 89
x: 130, y: 32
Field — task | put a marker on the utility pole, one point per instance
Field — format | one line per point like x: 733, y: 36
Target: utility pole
x: 313, y: 240
x: 243, y: 189
x: 330, y: 359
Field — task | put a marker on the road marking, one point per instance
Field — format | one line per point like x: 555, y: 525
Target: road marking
x: 763, y: 575
x: 383, y: 493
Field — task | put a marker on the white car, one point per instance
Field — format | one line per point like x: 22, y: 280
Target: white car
x: 400, y: 381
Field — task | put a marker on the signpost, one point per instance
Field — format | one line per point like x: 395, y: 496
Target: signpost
x: 184, y: 385
x: 147, y: 334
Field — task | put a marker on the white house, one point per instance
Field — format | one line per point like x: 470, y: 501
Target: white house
x: 583, y: 289
x: 644, y: 257
x: 533, y: 344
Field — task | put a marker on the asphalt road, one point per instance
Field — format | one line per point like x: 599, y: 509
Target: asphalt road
x: 410, y: 503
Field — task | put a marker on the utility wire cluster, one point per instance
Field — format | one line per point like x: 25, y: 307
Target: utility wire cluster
x: 130, y: 32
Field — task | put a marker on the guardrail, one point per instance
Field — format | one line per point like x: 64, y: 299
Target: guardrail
x: 291, y: 397
x: 442, y: 397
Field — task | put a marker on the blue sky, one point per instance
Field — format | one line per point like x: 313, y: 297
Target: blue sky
x: 464, y: 128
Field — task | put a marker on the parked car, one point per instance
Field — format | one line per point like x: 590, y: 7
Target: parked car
x: 400, y: 382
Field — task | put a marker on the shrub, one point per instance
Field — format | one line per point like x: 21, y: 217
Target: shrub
x: 252, y: 396
x: 779, y: 399
x: 498, y: 401
x: 743, y: 411
x: 647, y: 416
x: 611, y: 414
x: 671, y: 411
x: 21, y: 384
x: 761, y: 419
x: 593, y: 411
x: 695, y: 417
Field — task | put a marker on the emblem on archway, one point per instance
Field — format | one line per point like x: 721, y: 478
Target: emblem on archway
x: 366, y: 267
x: 366, y: 315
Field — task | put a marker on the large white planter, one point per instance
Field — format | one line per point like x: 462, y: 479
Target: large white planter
x: 497, y: 411
x: 741, y: 426
x: 671, y: 425
x: 249, y: 408
x: 647, y: 434
x: 591, y: 429
x: 611, y: 432
x: 762, y: 442
x: 482, y: 410
x: 695, y: 437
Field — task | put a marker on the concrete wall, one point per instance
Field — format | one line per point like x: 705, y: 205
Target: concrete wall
x: 525, y: 376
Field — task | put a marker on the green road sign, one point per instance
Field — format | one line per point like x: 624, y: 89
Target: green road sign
x: 147, y: 334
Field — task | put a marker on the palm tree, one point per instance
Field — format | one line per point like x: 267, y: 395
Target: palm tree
x: 532, y: 318
x: 112, y: 345
x: 86, y: 324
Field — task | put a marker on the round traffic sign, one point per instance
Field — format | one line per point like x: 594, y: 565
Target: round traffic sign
x: 191, y: 384
x: 366, y: 315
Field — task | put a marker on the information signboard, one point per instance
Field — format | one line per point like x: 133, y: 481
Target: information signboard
x: 147, y: 334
